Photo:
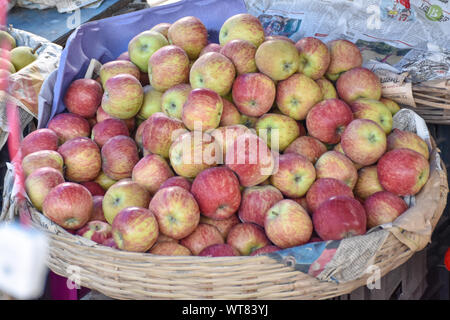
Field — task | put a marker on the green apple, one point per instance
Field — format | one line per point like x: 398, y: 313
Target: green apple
x: 242, y: 26
x: 373, y: 110
x: 271, y: 127
x: 142, y: 47
x: 173, y: 99
x: 278, y: 59
x: 22, y: 56
x: 151, y: 103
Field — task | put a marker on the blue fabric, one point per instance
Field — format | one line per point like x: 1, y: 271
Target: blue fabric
x: 106, y: 39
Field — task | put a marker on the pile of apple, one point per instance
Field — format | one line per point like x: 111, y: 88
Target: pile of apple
x: 171, y: 150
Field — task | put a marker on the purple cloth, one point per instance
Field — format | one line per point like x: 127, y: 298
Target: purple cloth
x: 106, y: 39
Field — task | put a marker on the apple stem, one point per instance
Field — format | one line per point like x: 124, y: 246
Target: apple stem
x: 36, y: 48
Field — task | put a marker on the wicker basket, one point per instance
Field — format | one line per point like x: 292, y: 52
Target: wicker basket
x: 127, y: 275
x: 433, y: 102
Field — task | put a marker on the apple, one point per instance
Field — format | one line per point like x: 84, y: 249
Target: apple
x: 251, y: 159
x: 94, y: 188
x: 159, y: 132
x: 124, y: 56
x: 277, y: 36
x: 230, y: 114
x: 314, y: 57
x: 164, y: 238
x: 40, y: 159
x: 193, y: 152
x: 203, y: 236
x: 266, y: 249
x: 123, y: 96
x: 82, y: 159
x: 358, y: 83
x: 242, y: 54
x: 278, y: 59
x: 119, y: 156
x: 327, y: 88
x: 225, y: 137
x: 383, y: 207
x: 135, y: 229
x: 202, y: 110
x: 68, y: 126
x: 247, y: 237
x: 69, y: 205
x: 256, y: 201
x: 39, y: 183
x: 173, y: 99
x: 224, y: 226
x: 176, y: 210
x: 162, y: 28
x: 333, y: 164
x: 304, y: 203
x: 40, y: 139
x: 213, y: 71
x: 83, y: 97
x: 171, y: 60
x: 217, y: 192
x: 373, y: 110
x: 277, y: 130
x: 190, y: 34
x: 344, y: 55
x: 151, y: 104
x: 325, y: 188
x: 107, y: 129
x: 248, y: 121
x: 253, y: 94
x: 390, y: 104
x: 210, y: 47
x: 116, y: 67
x: 143, y: 45
x: 177, y: 181
x: 151, y: 171
x: 123, y: 194
x: 409, y: 140
x: 367, y: 183
x: 102, y: 115
x: 169, y: 248
x: 242, y: 26
x: 97, y: 231
x: 403, y: 171
x: 363, y: 141
x: 296, y: 95
x: 339, y: 217
x: 110, y: 243
x: 295, y: 175
x: 219, y: 250
x: 287, y: 224
x: 104, y: 181
x: 309, y: 147
x: 97, y: 210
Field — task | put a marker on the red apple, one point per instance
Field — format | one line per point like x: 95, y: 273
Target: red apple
x: 124, y: 56
x: 324, y: 189
x: 328, y: 119
x: 190, y: 34
x: 151, y: 171
x: 230, y: 114
x: 119, y: 156
x: 40, y: 159
x: 358, y: 83
x: 304, y: 203
x: 403, y: 171
x: 110, y: 243
x: 242, y: 54
x: 40, y: 139
x: 69, y: 205
x: 116, y: 67
x: 211, y: 47
x: 374, y: 110
x: 344, y: 55
x: 314, y: 57
x: 333, y: 164
x: 203, y: 236
x: 97, y: 210
x: 295, y: 175
x: 94, y: 188
x: 68, y: 126
x: 176, y: 210
x: 307, y: 146
x: 83, y: 97
x: 225, y: 137
x: 202, y: 110
x: 39, y: 183
x: 219, y: 250
x: 224, y: 226
x: 177, y: 181
x: 107, y: 129
x: 251, y: 159
x: 82, y: 159
x: 406, y: 139
x: 224, y: 201
x: 97, y: 231
x: 339, y: 217
x: 102, y: 115
x: 170, y: 248
x: 162, y: 28
x: 287, y: 224
x: 256, y: 201
x: 383, y: 207
x: 266, y: 249
x: 135, y: 229
x: 247, y: 237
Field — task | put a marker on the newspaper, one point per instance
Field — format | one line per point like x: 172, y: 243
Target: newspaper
x: 62, y: 6
x: 403, y: 41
